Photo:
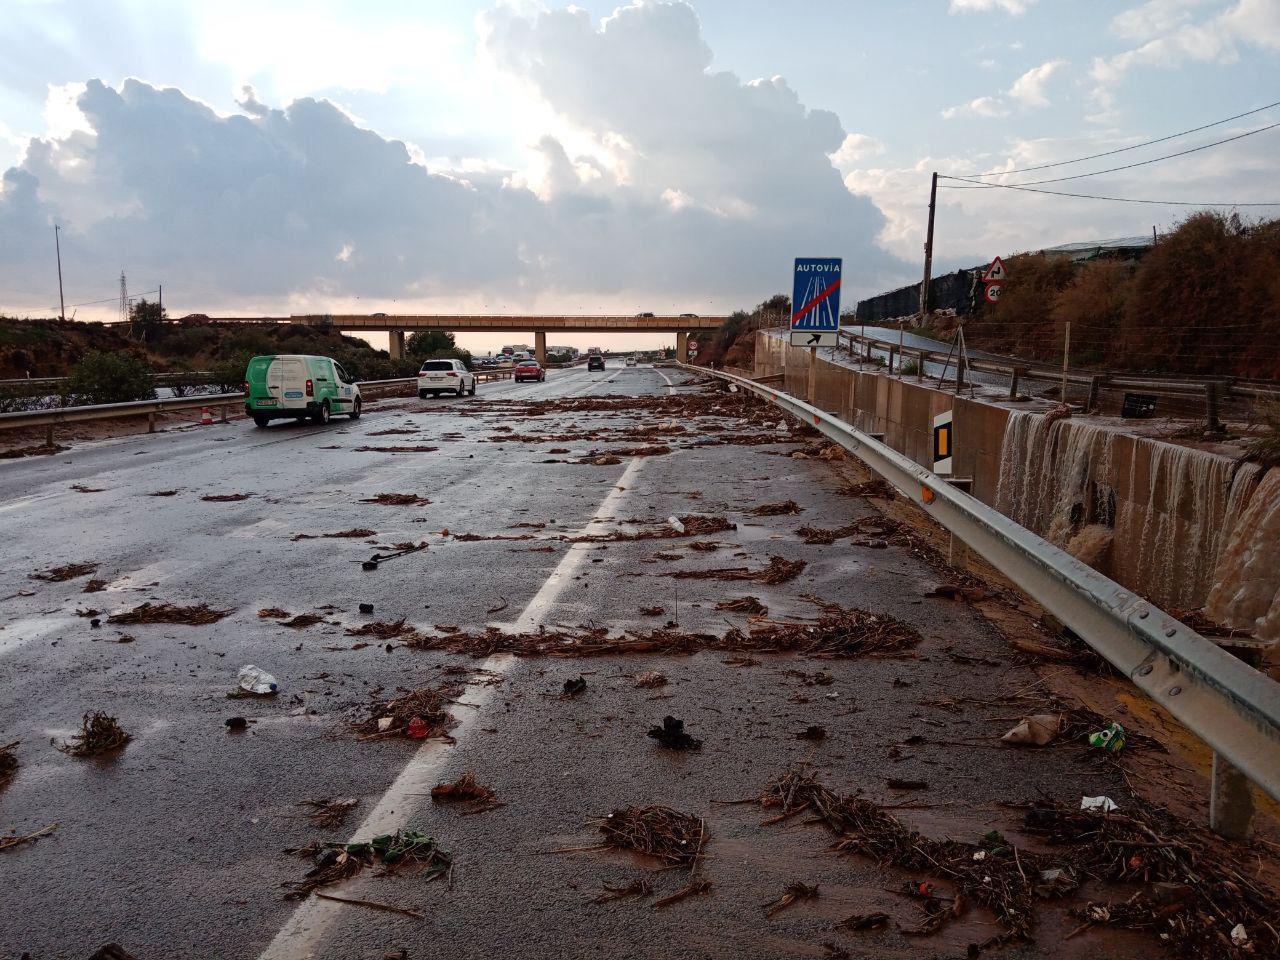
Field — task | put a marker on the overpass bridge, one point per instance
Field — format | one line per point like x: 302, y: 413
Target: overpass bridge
x: 397, y: 325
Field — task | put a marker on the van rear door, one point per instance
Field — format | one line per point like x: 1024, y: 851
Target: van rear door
x: 287, y: 382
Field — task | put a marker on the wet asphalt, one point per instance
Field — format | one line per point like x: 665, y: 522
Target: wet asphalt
x: 175, y: 847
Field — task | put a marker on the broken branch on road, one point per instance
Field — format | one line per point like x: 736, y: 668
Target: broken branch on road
x: 335, y: 862
x: 99, y: 734
x: 199, y: 615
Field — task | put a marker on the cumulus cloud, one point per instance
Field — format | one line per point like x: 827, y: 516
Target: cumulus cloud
x: 1169, y: 34
x: 1014, y: 7
x: 669, y: 181
x: 981, y: 107
x: 1029, y: 89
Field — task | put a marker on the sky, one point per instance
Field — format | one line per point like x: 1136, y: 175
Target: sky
x: 458, y: 156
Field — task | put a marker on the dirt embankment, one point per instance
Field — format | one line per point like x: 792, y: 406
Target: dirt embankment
x: 50, y: 348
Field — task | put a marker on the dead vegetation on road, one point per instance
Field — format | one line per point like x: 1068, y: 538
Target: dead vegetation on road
x: 99, y: 734
x: 198, y: 615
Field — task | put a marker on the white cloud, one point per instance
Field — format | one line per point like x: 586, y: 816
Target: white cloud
x: 981, y: 107
x: 1014, y: 7
x: 1169, y: 35
x: 660, y: 179
x: 1029, y: 89
x: 856, y: 146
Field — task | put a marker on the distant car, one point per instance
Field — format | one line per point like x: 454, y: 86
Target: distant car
x: 377, y: 314
x: 298, y: 387
x: 528, y: 370
x: 644, y: 314
x: 688, y: 314
x: 445, y: 376
x: 595, y: 362
x: 631, y: 361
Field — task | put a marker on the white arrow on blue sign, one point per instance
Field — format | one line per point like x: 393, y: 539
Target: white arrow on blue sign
x: 815, y: 302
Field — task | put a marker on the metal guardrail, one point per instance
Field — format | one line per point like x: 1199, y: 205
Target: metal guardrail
x: 1232, y: 707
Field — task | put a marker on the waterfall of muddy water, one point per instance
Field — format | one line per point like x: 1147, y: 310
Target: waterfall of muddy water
x: 1246, y: 589
x: 1169, y: 509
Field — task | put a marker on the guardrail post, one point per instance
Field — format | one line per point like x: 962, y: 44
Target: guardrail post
x: 1230, y: 801
x: 920, y: 366
x: 48, y: 435
x: 1092, y: 403
x: 151, y: 423
x: 892, y: 354
x: 867, y: 344
x: 1212, y: 423
x: 1014, y: 374
x: 224, y: 413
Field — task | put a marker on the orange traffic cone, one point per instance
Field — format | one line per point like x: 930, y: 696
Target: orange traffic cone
x: 206, y: 416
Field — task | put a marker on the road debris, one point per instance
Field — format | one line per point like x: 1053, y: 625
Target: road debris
x: 199, y: 615
x: 778, y: 570
x: 865, y: 921
x: 696, y: 886
x: 652, y: 611
x: 273, y: 613
x: 650, y: 680
x: 112, y: 951
x: 655, y: 831
x: 397, y: 500
x: 640, y: 887
x: 328, y: 812
x: 671, y: 734
x: 225, y: 497
x: 794, y: 892
x: 99, y: 734
x: 255, y: 681
x: 839, y: 633
x: 236, y: 724
x: 574, y: 686
x: 373, y: 905
x: 11, y: 839
x: 1109, y: 739
x: 163, y: 493
x: 302, y: 621
x: 1098, y: 804
x: 8, y: 763
x: 95, y: 586
x: 382, y: 629
x: 353, y: 534
x: 959, y: 591
x: 466, y: 789
x: 366, y: 608
x: 786, y: 508
x: 81, y: 488
x: 335, y: 862
x: 427, y: 706
x: 813, y: 733
x: 1036, y: 730
x: 67, y: 572
x: 403, y: 448
x: 748, y: 605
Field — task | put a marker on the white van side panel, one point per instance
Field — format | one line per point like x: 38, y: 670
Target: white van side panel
x: 287, y: 382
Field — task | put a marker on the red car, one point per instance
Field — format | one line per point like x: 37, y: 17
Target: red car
x: 529, y: 370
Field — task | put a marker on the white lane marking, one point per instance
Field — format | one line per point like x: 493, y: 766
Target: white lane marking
x: 670, y: 386
x: 299, y: 938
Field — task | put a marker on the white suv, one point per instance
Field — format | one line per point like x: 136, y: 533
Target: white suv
x: 445, y: 376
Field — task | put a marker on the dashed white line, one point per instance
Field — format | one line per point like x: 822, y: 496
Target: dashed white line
x: 300, y: 937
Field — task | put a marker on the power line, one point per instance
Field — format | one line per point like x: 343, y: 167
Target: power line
x: 1143, y: 163
x: 1136, y: 146
x: 1090, y: 196
x: 115, y: 299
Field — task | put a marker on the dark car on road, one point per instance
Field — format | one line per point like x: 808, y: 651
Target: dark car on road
x: 595, y: 362
x: 528, y: 370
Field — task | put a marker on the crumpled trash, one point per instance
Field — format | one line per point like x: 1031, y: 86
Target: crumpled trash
x: 366, y: 608
x: 236, y: 723
x: 676, y: 524
x: 1035, y: 730
x: 672, y: 735
x: 417, y: 729
x: 1098, y: 804
x: 255, y: 680
x: 1110, y: 738
x: 384, y: 723
x: 574, y: 686
x: 1239, y: 935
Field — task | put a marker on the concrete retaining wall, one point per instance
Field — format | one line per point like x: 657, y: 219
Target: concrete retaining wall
x: 1165, y: 520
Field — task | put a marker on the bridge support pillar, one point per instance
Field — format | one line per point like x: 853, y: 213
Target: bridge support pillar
x: 682, y: 346
x: 395, y: 344
x: 540, y: 346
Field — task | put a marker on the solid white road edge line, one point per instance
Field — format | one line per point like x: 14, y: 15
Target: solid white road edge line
x: 298, y: 938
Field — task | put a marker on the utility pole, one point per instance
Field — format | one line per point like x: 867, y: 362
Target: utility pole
x: 928, y: 250
x: 160, y: 298
x: 57, y: 246
x: 1066, y: 353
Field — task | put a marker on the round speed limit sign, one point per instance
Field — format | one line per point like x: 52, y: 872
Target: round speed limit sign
x: 992, y: 292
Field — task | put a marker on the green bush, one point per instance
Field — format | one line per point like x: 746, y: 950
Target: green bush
x: 110, y: 378
x: 228, y: 373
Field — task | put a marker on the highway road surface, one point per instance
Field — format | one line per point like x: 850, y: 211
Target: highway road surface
x: 176, y: 845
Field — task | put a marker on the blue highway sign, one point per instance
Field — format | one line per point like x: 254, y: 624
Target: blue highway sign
x: 815, y: 302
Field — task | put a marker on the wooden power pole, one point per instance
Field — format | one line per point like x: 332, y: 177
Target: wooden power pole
x: 57, y: 246
x: 928, y: 250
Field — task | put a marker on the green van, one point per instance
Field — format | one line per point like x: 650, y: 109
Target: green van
x: 298, y: 387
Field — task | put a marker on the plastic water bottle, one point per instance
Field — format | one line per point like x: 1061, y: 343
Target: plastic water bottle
x: 256, y: 680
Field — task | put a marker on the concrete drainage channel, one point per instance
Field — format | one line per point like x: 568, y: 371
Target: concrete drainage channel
x: 1226, y: 703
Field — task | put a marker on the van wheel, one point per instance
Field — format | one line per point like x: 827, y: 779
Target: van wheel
x: 355, y: 411
x: 323, y: 415
x: 261, y: 421
x: 473, y: 388
x: 460, y: 392
x: 422, y: 394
